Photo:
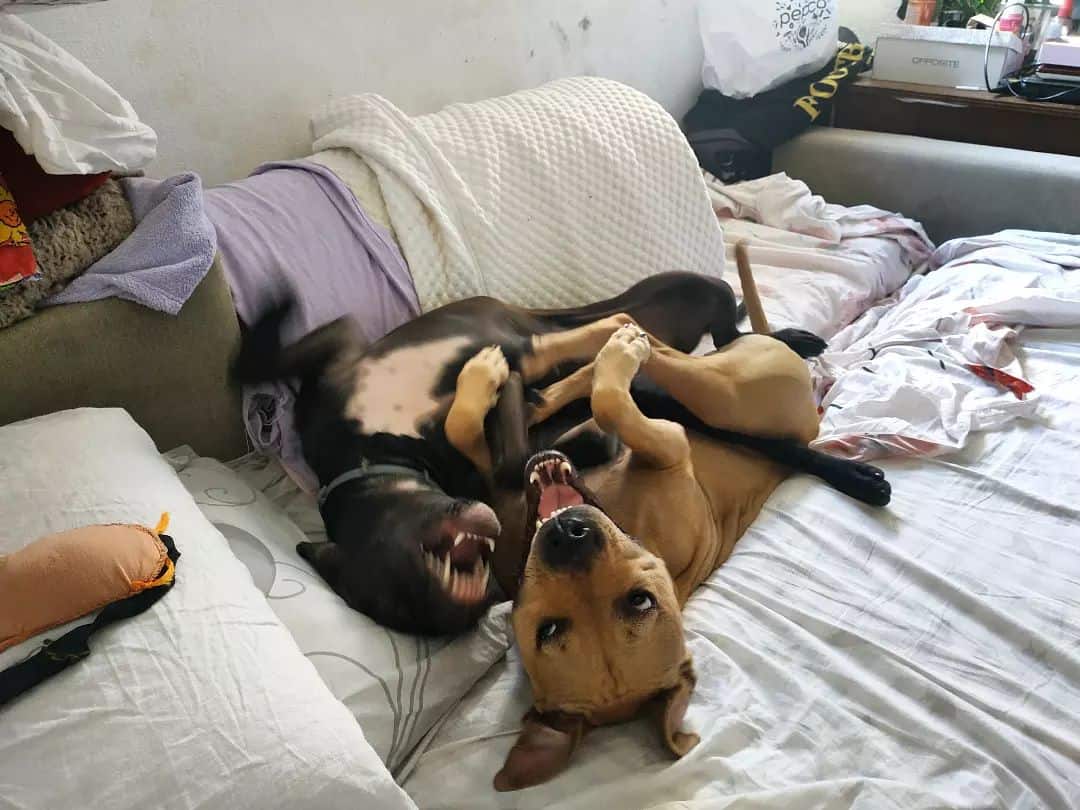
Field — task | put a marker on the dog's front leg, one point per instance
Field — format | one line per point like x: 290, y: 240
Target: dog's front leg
x: 657, y: 442
x: 580, y: 344
x: 477, y: 392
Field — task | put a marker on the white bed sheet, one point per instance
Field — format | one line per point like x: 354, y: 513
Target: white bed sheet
x: 817, y: 266
x: 924, y: 656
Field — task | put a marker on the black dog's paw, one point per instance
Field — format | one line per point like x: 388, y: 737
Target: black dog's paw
x: 864, y: 482
x: 803, y: 343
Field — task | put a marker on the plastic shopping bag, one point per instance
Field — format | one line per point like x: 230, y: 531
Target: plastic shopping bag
x: 755, y: 45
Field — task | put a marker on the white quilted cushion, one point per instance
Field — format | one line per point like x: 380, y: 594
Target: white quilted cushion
x: 550, y: 197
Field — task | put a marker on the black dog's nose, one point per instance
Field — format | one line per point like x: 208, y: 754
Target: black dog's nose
x: 569, y: 540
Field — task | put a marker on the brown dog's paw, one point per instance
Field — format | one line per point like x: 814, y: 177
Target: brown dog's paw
x: 625, y: 351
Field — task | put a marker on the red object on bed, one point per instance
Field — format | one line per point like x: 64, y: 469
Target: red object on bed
x: 36, y: 192
x: 16, y: 253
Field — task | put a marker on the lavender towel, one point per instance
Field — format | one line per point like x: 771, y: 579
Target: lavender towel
x: 295, y: 222
x: 162, y: 262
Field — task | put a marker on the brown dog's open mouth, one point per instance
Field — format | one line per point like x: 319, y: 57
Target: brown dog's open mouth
x: 552, y: 486
x: 460, y: 559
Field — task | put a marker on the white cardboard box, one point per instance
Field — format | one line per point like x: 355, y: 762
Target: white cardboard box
x: 1061, y: 52
x: 947, y: 57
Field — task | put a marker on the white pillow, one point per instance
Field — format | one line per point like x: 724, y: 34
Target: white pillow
x: 201, y: 701
x: 397, y: 686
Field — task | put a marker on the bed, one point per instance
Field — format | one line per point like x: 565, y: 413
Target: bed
x: 924, y: 656
x: 927, y: 655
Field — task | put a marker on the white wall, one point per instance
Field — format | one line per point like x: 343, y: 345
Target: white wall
x: 865, y: 17
x: 228, y: 84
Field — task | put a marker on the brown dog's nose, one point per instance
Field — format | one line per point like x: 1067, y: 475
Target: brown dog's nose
x: 569, y: 540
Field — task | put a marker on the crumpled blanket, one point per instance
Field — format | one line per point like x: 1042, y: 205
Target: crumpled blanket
x: 557, y: 196
x: 923, y: 371
x: 164, y: 259
x: 67, y: 242
x: 817, y: 265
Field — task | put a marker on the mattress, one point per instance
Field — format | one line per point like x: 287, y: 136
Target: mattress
x: 922, y: 656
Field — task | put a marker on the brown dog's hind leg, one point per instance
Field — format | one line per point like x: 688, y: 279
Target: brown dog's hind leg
x: 755, y: 385
x: 657, y: 442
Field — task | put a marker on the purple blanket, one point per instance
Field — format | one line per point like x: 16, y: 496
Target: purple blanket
x: 296, y: 222
x: 162, y: 262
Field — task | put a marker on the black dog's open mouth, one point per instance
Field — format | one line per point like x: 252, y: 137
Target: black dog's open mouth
x: 460, y: 560
x: 552, y: 486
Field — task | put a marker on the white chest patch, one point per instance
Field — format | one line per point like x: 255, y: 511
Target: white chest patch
x: 395, y: 393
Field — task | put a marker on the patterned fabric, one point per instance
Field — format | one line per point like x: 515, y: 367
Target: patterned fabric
x: 16, y: 252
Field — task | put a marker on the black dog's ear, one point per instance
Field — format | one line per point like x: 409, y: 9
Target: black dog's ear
x: 542, y: 750
x: 670, y: 709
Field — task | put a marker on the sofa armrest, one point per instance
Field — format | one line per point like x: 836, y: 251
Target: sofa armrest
x: 170, y: 373
x: 954, y: 189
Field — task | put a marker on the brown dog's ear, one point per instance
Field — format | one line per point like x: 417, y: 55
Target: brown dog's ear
x: 670, y: 708
x: 541, y: 751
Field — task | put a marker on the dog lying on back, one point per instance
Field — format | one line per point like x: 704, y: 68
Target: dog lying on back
x: 608, y: 558
x: 411, y: 539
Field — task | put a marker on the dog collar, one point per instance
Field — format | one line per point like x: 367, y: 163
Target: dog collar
x: 368, y: 470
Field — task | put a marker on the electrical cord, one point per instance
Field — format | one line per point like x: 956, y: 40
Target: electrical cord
x: 990, y: 39
x: 1018, y: 76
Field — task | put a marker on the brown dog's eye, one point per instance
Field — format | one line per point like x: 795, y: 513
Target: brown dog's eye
x: 640, y: 601
x: 549, y: 629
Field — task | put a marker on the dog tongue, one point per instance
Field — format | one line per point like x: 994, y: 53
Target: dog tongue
x: 558, y: 496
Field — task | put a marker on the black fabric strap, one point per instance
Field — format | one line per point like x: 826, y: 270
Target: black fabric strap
x: 74, y: 645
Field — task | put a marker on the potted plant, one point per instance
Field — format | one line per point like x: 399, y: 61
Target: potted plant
x: 956, y: 13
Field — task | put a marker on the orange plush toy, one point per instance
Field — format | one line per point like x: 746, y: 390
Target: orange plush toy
x: 116, y: 570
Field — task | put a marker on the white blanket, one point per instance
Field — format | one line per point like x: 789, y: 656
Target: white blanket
x: 67, y: 117
x: 923, y: 656
x: 552, y: 197
x: 920, y: 373
x: 818, y: 266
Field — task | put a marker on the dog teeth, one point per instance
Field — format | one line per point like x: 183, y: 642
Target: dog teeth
x: 534, y: 478
x: 458, y: 539
x: 566, y: 469
x: 490, y: 544
x: 484, y: 575
x: 446, y: 571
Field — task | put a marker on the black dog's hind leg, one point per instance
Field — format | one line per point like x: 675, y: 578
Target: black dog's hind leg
x: 262, y: 356
x: 803, y: 343
x: 863, y: 482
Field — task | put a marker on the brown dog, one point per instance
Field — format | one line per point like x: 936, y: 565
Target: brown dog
x: 613, y: 555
